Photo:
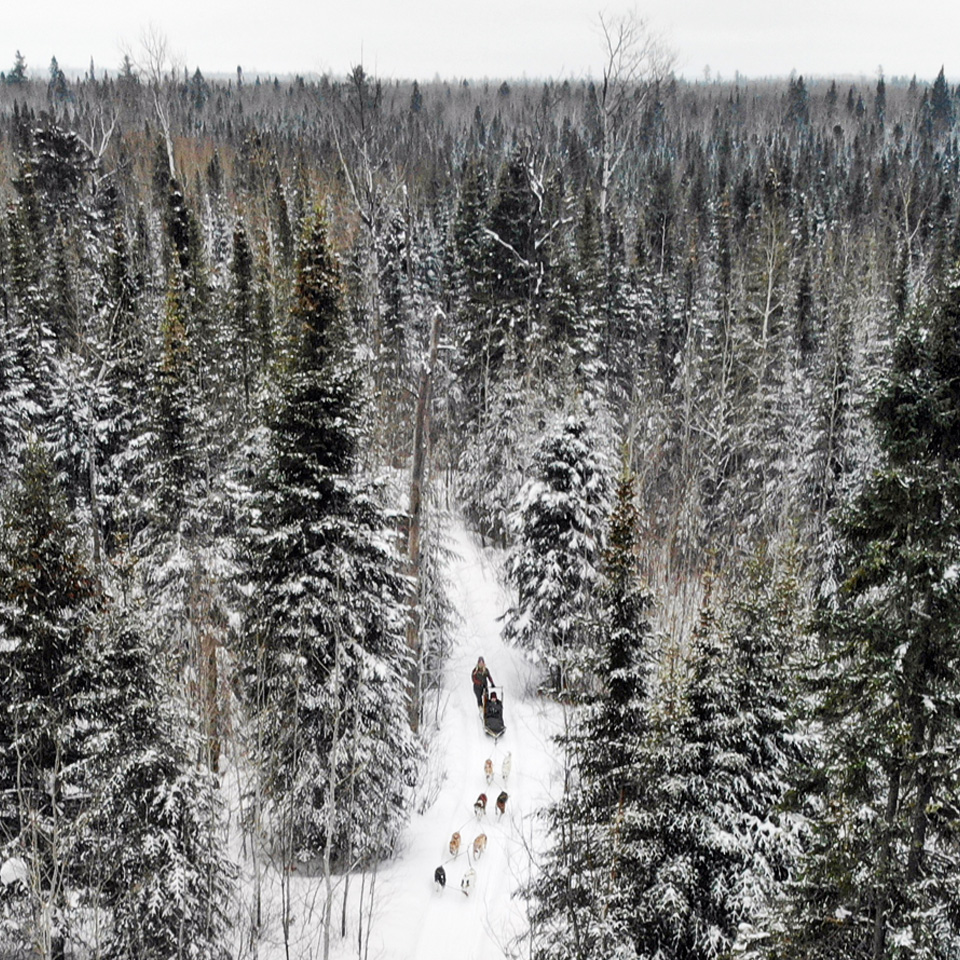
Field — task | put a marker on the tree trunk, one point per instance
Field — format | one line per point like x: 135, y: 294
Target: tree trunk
x: 883, y: 860
x: 330, y: 797
x: 421, y: 457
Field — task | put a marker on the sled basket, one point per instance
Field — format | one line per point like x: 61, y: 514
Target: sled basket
x: 493, y: 726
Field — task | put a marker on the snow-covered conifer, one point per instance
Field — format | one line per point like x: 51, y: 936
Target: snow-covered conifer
x: 155, y: 832
x: 583, y: 893
x: 705, y: 836
x: 879, y: 876
x: 324, y: 652
x: 558, y: 523
x: 47, y: 598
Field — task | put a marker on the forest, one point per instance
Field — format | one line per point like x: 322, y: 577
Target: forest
x: 688, y: 353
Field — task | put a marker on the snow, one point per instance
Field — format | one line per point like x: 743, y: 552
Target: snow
x: 410, y: 919
x: 13, y: 870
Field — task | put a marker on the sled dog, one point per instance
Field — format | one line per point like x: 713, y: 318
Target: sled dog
x: 439, y: 878
x: 455, y: 844
x: 480, y: 807
x: 488, y: 770
x: 505, y: 769
x: 469, y: 878
x: 502, y: 803
x: 479, y: 845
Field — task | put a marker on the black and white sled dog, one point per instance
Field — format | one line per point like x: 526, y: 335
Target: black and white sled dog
x: 469, y: 879
x: 439, y: 878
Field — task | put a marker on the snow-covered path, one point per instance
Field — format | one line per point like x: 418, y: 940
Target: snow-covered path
x: 411, y: 920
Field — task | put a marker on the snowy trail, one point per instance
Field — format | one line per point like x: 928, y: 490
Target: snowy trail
x: 411, y: 920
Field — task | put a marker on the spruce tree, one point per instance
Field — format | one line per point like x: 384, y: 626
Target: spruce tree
x: 324, y: 652
x: 47, y: 602
x: 941, y: 104
x: 247, y: 351
x: 481, y: 347
x: 558, y: 525
x: 155, y: 833
x: 18, y: 72
x: 175, y: 428
x: 880, y: 876
x: 493, y: 459
x: 582, y: 896
x: 104, y: 801
x: 703, y: 835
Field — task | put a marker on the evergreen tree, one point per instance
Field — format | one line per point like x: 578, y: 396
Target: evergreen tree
x: 481, y: 347
x: 116, y: 479
x: 18, y: 72
x: 47, y: 600
x: 703, y: 839
x: 880, y: 101
x: 280, y: 213
x: 590, y: 315
x: 583, y: 891
x: 175, y: 431
x: 941, y: 104
x: 324, y: 652
x: 57, y: 89
x: 155, y: 840
x: 493, y: 460
x: 246, y: 342
x: 798, y: 109
x: 513, y: 221
x: 558, y: 525
x: 880, y: 876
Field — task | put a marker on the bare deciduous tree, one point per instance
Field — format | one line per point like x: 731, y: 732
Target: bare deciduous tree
x: 635, y: 60
x: 156, y: 63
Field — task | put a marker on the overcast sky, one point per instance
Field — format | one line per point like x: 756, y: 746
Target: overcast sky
x: 419, y: 39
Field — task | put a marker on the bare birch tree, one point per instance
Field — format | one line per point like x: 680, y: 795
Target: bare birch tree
x: 635, y: 61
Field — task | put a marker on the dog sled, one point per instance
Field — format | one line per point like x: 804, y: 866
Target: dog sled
x: 493, y: 724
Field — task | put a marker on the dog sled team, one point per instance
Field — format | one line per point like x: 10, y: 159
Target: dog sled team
x: 491, y: 709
